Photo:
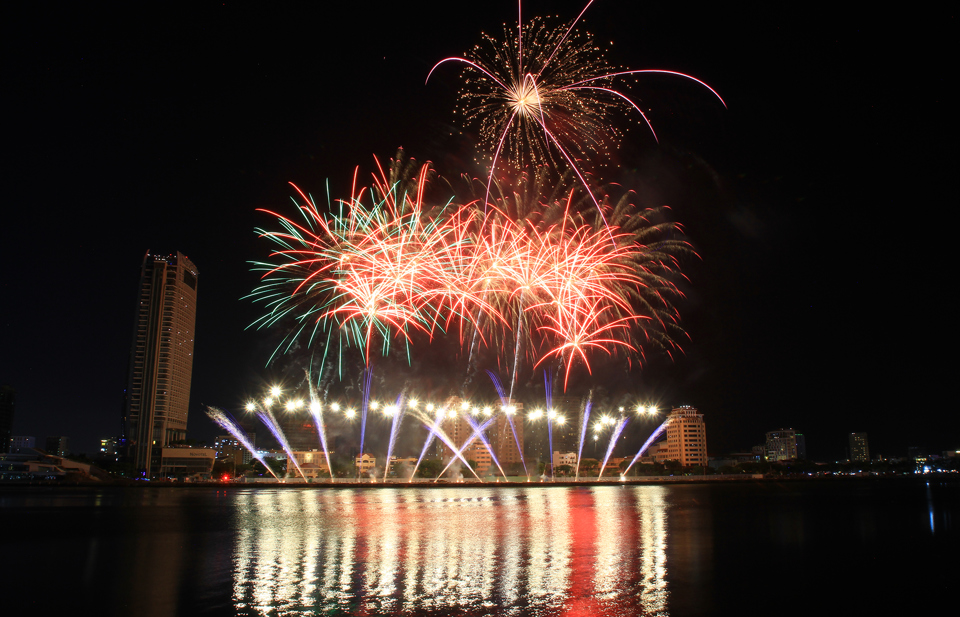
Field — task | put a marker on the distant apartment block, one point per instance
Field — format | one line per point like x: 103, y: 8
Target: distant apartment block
x: 564, y: 458
x: 785, y: 444
x: 109, y: 448
x: 230, y: 450
x: 57, y: 445
x: 7, y: 400
x: 859, y: 448
x: 22, y: 444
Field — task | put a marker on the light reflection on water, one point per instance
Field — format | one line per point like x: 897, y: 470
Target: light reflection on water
x: 578, y: 551
x: 537, y: 550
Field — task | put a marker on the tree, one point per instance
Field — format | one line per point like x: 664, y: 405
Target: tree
x: 279, y: 467
x: 429, y: 468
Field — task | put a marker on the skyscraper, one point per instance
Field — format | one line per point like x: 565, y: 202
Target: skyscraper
x: 7, y: 398
x: 859, y: 448
x: 506, y: 435
x: 161, y: 360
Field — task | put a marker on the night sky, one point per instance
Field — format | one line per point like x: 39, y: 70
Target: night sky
x: 818, y: 200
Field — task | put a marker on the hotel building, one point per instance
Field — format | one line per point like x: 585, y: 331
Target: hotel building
x: 686, y: 440
x: 161, y: 360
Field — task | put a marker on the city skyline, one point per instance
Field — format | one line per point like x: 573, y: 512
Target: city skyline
x: 175, y: 141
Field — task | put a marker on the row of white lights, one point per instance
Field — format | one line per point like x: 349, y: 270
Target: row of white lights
x: 390, y: 410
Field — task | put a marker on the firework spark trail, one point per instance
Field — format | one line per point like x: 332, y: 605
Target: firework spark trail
x: 435, y: 428
x: 551, y: 95
x: 548, y: 396
x: 613, y: 442
x: 584, y: 422
x: 221, y: 418
x: 516, y: 352
x: 504, y: 400
x: 382, y: 270
x: 268, y: 419
x: 653, y: 437
x: 563, y: 291
x: 479, y: 433
x: 316, y: 411
x: 431, y: 435
x: 394, y: 431
x: 458, y: 452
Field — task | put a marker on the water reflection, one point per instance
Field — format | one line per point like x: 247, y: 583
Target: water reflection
x: 569, y: 551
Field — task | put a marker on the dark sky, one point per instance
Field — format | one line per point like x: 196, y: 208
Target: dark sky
x: 818, y: 200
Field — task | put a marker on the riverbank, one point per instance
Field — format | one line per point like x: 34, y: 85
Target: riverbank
x: 345, y: 483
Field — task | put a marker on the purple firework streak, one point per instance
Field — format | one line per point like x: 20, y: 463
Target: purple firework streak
x: 478, y: 432
x: 430, y: 437
x: 583, y: 432
x: 458, y: 452
x: 394, y: 430
x: 646, y: 444
x: 548, y: 391
x: 220, y: 417
x: 613, y: 442
x: 267, y: 418
x: 316, y: 410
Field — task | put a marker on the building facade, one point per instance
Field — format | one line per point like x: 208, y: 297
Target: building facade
x: 506, y: 435
x: 785, y: 444
x: 859, y: 448
x: 686, y: 440
x: 179, y: 462
x: 7, y: 399
x: 161, y: 362
x: 230, y: 450
x: 58, y: 445
x: 22, y: 444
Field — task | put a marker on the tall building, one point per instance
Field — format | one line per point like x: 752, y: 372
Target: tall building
x: 859, y: 448
x: 109, y: 449
x: 58, y: 445
x: 785, y: 444
x: 161, y: 363
x: 686, y: 438
x: 7, y: 397
x: 504, y: 439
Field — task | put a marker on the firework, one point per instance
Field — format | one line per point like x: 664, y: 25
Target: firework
x: 381, y: 268
x: 546, y: 96
x: 537, y: 283
x: 566, y: 287
x: 227, y: 424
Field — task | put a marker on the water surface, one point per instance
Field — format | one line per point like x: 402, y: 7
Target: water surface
x: 702, y: 549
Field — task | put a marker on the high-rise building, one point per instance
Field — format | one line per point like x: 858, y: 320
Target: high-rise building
x: 686, y: 438
x: 859, y: 448
x: 505, y: 433
x: 109, y: 449
x: 58, y: 444
x: 161, y: 363
x: 456, y: 427
x: 7, y: 397
x: 785, y: 444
